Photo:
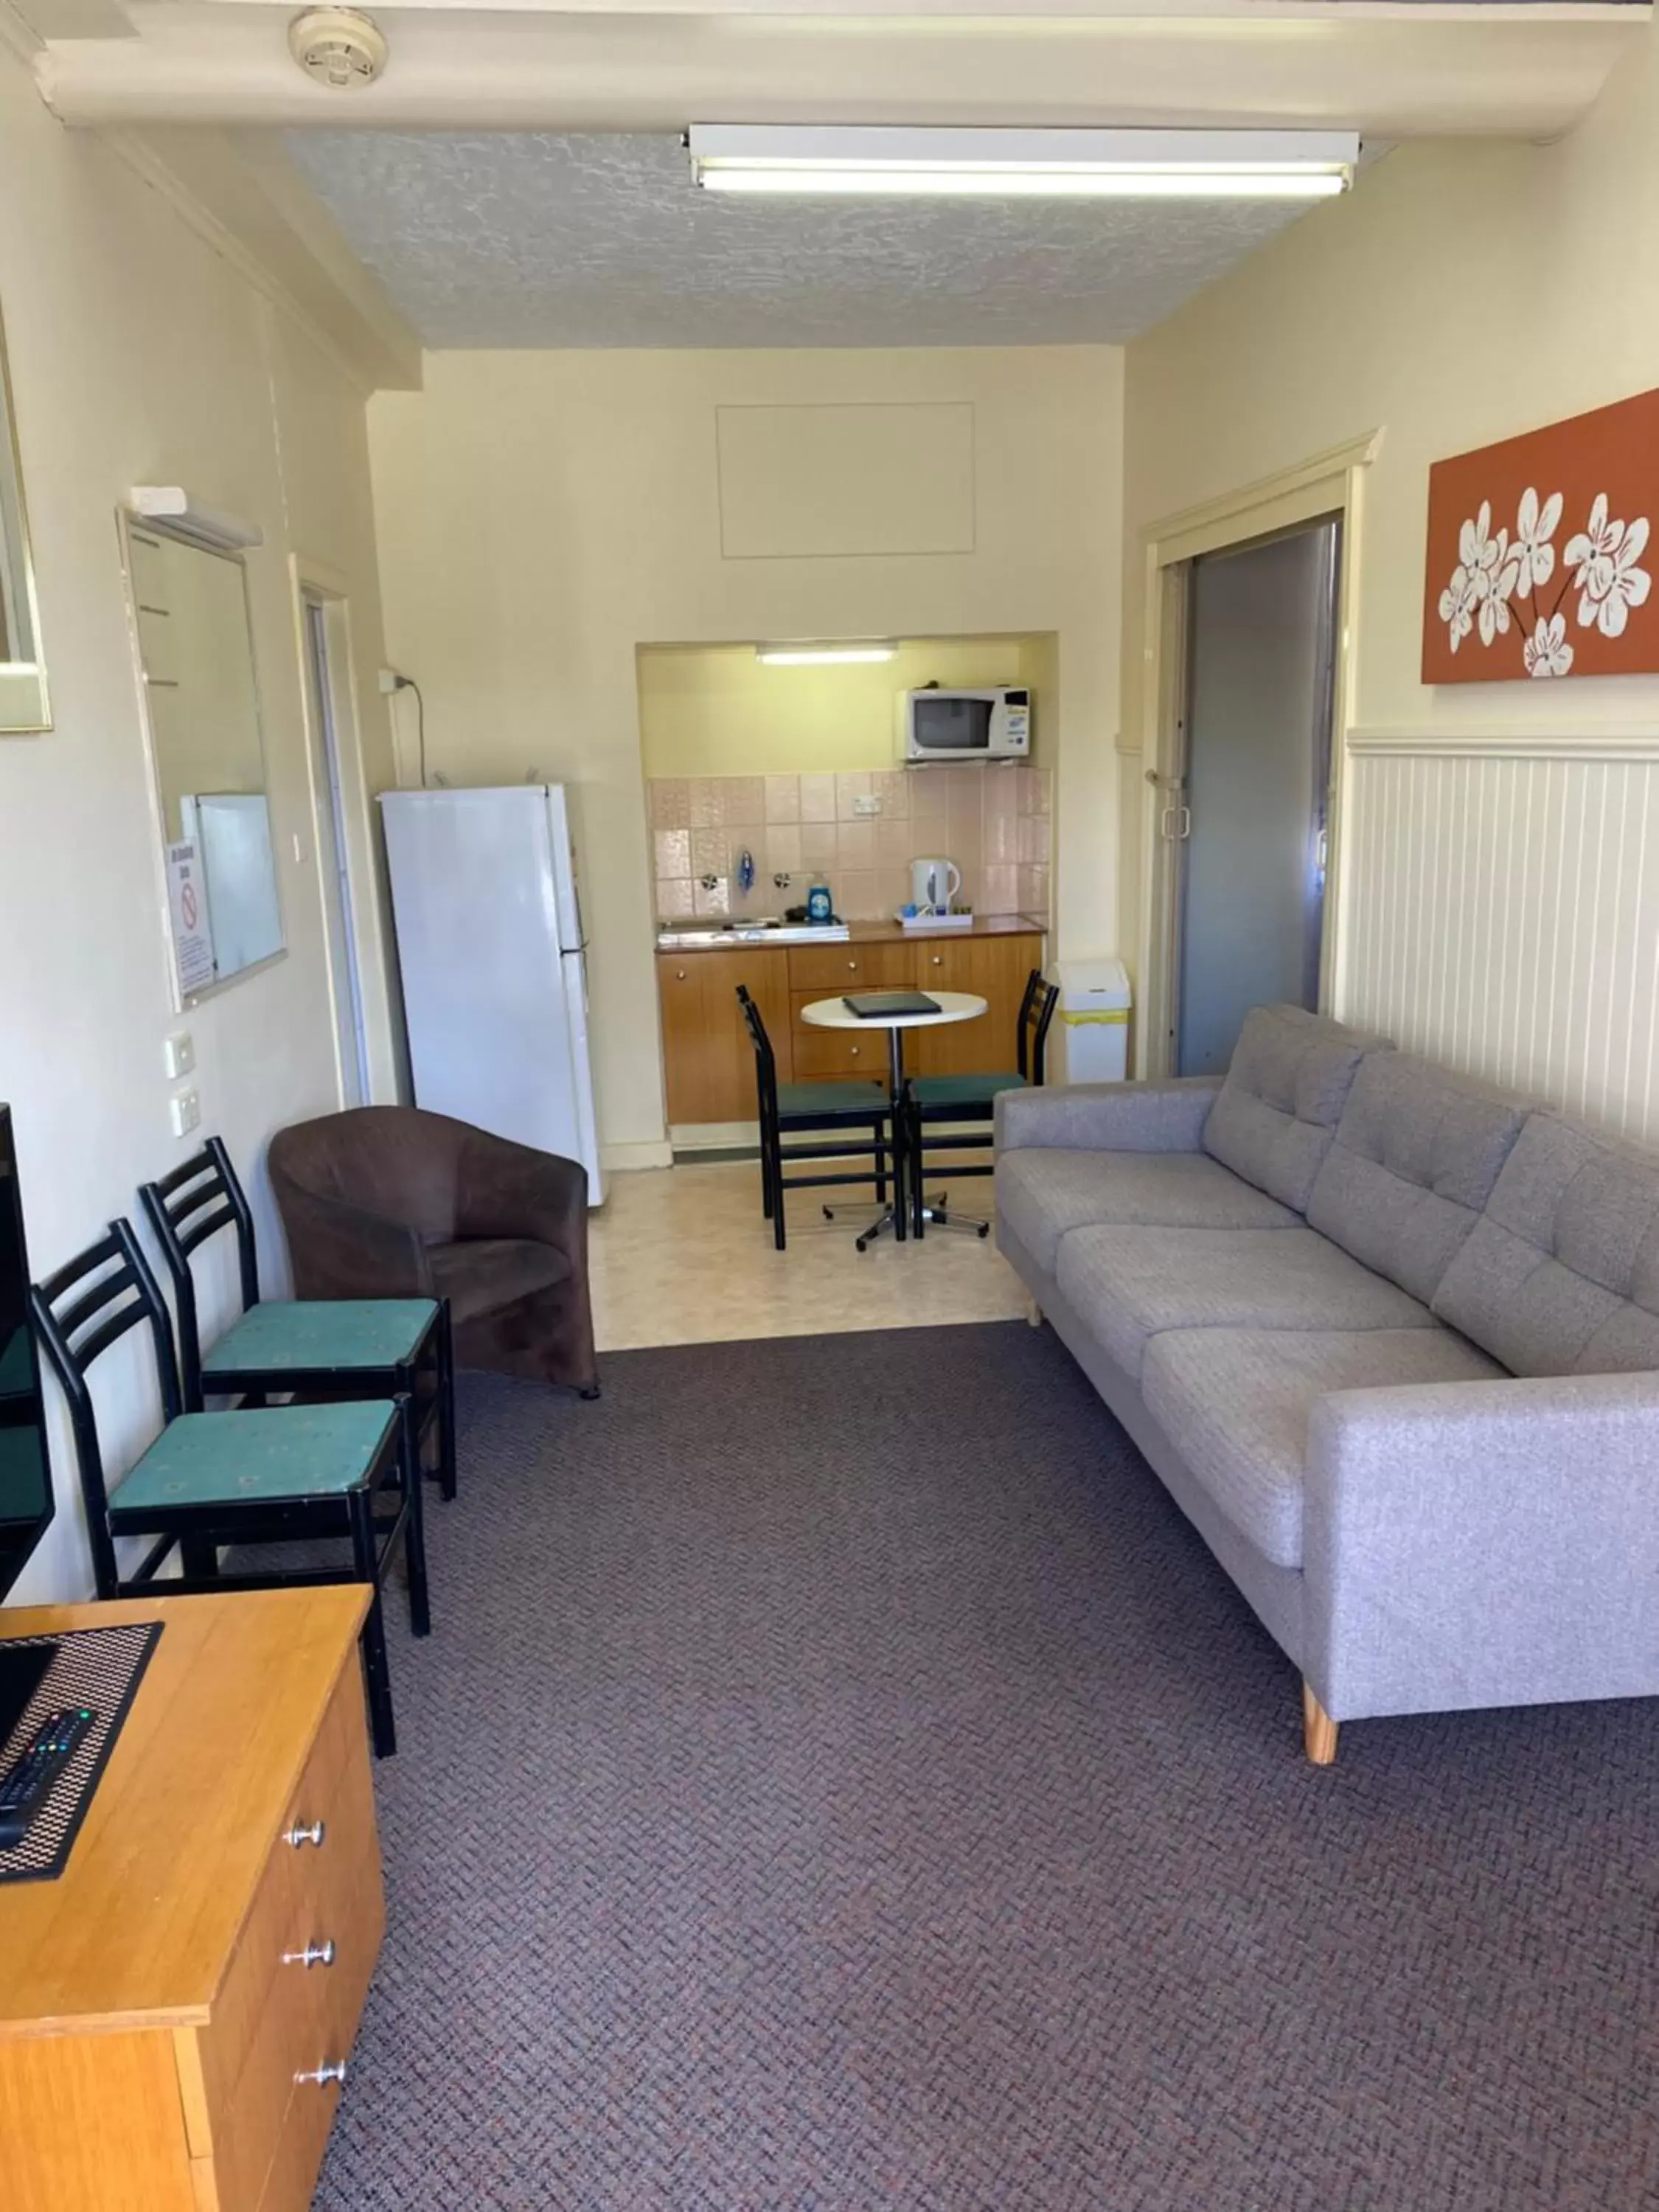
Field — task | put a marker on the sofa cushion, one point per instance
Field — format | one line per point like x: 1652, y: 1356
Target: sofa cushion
x: 1560, y: 1275
x: 1286, y: 1088
x: 1129, y: 1284
x: 1042, y: 1193
x: 1235, y: 1403
x: 1414, y: 1159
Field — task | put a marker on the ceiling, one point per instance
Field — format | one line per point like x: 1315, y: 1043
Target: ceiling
x: 521, y: 239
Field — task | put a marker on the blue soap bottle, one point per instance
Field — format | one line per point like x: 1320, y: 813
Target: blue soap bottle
x: 819, y: 905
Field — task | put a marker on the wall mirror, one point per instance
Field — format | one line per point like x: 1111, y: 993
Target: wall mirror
x: 23, y: 702
x: 195, y: 643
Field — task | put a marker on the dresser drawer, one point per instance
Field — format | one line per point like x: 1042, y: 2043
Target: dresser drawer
x: 277, y: 2016
x: 823, y: 971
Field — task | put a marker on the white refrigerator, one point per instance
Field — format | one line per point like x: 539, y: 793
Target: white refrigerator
x: 491, y: 944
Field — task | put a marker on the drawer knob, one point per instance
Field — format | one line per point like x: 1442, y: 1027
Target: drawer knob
x: 853, y: 1050
x: 852, y: 967
x: 679, y: 974
x: 322, y: 2075
x: 314, y: 1955
x: 938, y: 960
x: 297, y: 1835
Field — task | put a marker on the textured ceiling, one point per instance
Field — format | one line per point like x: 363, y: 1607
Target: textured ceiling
x: 534, y: 239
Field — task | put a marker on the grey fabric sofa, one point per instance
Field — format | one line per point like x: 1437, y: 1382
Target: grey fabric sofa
x: 1390, y: 1339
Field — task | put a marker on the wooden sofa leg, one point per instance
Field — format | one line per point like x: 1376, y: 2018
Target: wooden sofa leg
x: 1034, y: 1312
x: 1318, y: 1729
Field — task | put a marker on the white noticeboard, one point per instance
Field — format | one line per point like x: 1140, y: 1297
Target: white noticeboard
x: 192, y: 932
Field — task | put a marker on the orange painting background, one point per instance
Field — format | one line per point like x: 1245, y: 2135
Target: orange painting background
x: 1613, y: 450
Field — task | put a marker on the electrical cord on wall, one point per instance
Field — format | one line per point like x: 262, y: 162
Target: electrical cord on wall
x: 391, y: 679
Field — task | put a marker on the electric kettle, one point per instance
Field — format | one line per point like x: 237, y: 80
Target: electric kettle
x: 933, y: 884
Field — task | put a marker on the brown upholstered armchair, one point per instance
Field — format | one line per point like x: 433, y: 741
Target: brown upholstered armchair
x: 389, y: 1201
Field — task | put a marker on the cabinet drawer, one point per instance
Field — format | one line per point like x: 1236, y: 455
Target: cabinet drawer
x: 823, y: 1053
x: 275, y: 2016
x: 821, y: 969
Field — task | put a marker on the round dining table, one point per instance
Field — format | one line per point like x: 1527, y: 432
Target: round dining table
x: 837, y: 1014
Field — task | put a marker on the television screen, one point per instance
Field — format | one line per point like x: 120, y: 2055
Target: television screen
x: 26, y: 1499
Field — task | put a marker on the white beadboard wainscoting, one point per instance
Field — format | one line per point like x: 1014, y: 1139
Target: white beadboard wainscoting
x: 1500, y: 911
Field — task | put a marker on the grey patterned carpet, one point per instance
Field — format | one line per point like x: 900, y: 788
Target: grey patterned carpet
x: 839, y: 1780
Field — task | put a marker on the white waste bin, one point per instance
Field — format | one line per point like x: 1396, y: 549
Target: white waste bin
x: 1089, y: 1038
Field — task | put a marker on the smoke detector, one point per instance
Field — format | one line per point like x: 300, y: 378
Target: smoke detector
x: 337, y: 47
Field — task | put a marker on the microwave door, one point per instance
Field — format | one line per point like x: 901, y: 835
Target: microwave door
x: 953, y: 726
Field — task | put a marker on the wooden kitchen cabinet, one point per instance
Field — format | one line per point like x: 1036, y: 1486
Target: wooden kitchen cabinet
x: 995, y: 969
x: 710, y: 1063
x: 707, y: 1058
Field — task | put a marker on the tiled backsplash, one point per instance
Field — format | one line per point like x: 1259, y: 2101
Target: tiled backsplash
x: 992, y: 821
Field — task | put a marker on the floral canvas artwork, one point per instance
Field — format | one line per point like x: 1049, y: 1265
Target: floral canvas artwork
x: 1538, y: 565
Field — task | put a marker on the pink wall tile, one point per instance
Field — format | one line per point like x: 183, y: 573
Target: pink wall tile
x: 818, y: 844
x: 1034, y: 841
x: 999, y: 891
x: 674, y: 899
x: 783, y: 850
x: 892, y: 888
x: 673, y: 851
x: 1034, y: 892
x: 893, y: 787
x: 857, y: 896
x: 743, y: 801
x: 895, y: 842
x: 716, y: 902
x: 671, y: 802
x: 709, y: 852
x: 856, y: 841
x: 783, y: 799
x: 929, y: 809
x: 706, y: 811
x: 851, y: 786
x: 818, y: 798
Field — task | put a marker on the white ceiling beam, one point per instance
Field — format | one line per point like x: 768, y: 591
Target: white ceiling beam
x: 207, y: 62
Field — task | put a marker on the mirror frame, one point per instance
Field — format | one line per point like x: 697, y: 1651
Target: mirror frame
x: 31, y: 593
x: 125, y: 522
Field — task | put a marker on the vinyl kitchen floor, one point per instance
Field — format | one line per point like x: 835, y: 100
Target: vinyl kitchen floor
x: 681, y: 1256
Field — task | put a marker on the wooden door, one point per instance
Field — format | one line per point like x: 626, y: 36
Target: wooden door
x: 708, y: 1059
x: 995, y: 969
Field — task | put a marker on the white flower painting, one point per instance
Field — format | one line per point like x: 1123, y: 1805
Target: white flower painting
x: 1500, y: 585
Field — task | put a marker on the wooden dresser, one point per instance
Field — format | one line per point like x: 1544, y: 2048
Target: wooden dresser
x: 173, y: 2006
x: 710, y: 1063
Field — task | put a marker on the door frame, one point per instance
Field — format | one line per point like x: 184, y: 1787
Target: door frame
x: 366, y: 923
x: 1330, y: 483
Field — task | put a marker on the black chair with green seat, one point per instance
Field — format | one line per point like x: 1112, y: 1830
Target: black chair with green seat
x: 314, y: 1348
x: 933, y: 1101
x: 797, y: 1108
x: 274, y: 1474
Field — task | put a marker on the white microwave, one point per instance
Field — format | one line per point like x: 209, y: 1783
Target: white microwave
x: 967, y: 726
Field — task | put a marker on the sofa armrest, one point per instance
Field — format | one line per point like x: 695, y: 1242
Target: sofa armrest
x: 1488, y: 1543
x: 338, y: 1250
x: 1165, y: 1116
x: 508, y: 1190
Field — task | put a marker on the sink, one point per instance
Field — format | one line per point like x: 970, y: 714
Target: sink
x: 762, y: 929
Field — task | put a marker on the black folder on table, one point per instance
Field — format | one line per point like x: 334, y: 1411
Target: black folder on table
x: 882, y: 1005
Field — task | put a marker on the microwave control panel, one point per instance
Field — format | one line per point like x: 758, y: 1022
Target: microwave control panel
x: 1016, y: 720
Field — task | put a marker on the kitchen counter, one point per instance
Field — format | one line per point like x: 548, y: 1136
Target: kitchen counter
x: 682, y: 939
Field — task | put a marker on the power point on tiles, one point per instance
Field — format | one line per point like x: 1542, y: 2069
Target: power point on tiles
x: 867, y: 802
x: 180, y: 1054
x: 185, y: 1109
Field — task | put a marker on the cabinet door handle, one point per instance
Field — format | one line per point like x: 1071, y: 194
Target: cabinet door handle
x: 314, y: 1955
x: 852, y: 967
x: 313, y: 1834
x: 323, y: 2074
x: 938, y: 960
x: 679, y: 974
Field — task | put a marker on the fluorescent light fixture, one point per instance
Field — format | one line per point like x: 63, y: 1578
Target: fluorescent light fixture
x: 821, y: 656
x: 1023, y: 164
x: 171, y: 509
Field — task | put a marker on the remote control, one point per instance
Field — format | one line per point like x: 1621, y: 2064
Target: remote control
x: 24, y: 1785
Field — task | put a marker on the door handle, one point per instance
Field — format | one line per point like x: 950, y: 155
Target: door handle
x: 1184, y: 814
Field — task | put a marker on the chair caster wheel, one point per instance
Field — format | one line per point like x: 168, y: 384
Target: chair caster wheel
x: 590, y: 1393
x: 984, y: 1230
x: 828, y: 1212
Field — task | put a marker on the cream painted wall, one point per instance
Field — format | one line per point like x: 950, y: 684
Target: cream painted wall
x: 542, y: 515
x: 138, y: 355
x: 717, y: 710
x: 1463, y: 293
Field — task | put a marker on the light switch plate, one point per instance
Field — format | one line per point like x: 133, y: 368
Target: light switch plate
x: 868, y: 802
x: 185, y: 1108
x: 180, y: 1051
